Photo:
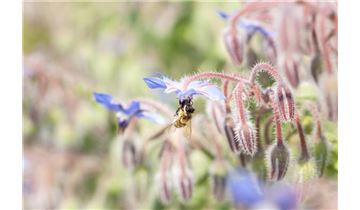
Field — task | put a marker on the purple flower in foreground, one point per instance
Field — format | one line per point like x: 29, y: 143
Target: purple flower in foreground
x: 125, y: 115
x: 250, y: 26
x: 196, y: 87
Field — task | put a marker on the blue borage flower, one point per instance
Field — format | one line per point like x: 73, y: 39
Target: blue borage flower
x: 247, y: 191
x: 197, y: 87
x: 250, y: 26
x: 244, y: 188
x: 125, y: 115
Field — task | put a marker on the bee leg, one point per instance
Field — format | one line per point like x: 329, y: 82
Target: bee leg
x: 177, y: 111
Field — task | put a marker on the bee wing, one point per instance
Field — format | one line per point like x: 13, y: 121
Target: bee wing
x: 159, y: 132
x: 188, y: 130
x: 171, y: 128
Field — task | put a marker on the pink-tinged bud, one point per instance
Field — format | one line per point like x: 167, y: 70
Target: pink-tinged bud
x: 164, y: 188
x: 230, y: 134
x: 285, y: 101
x: 234, y: 45
x: 278, y: 159
x: 291, y: 69
x: 321, y: 153
x: 165, y: 193
x: 329, y: 87
x: 129, y: 155
x: 185, y: 185
x: 245, y: 136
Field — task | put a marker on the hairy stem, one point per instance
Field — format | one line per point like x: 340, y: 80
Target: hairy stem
x: 316, y: 115
x: 267, y: 130
x: 227, y: 97
x: 304, y: 149
x: 218, y: 155
x: 257, y: 127
x: 277, y: 122
x: 323, y: 37
x: 210, y: 75
x: 180, y: 149
x: 239, y: 102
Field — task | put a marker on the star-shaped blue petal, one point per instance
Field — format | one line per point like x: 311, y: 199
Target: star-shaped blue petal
x: 203, y: 88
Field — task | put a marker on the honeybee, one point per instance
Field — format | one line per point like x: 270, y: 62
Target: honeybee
x: 184, y: 115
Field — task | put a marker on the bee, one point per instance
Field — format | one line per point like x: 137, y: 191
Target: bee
x: 184, y: 114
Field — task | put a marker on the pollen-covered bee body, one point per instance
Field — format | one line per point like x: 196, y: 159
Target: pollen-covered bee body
x: 182, y: 119
x: 184, y: 113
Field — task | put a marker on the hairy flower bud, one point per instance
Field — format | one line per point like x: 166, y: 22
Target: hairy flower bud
x: 278, y: 158
x: 321, y: 150
x: 316, y: 66
x: 230, y: 134
x: 329, y: 86
x: 245, y: 135
x: 218, y: 174
x: 129, y: 155
x: 291, y: 69
x: 164, y: 188
x: 285, y: 102
x: 234, y: 45
x: 163, y: 178
x: 185, y: 185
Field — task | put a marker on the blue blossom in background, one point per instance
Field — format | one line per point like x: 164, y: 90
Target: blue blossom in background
x: 198, y: 87
x: 244, y: 188
x: 247, y: 192
x: 125, y: 115
x: 250, y: 26
x: 283, y: 196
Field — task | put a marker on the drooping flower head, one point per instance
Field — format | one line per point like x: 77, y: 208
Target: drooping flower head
x: 278, y: 160
x: 197, y: 87
x: 125, y: 115
x: 250, y: 26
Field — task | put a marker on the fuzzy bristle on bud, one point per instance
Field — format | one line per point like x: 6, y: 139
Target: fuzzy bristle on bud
x: 234, y: 45
x: 285, y: 101
x: 245, y: 136
x: 278, y: 159
x: 230, y: 134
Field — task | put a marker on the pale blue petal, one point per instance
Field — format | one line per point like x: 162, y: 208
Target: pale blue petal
x: 206, y: 89
x: 153, y: 117
x: 186, y: 94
